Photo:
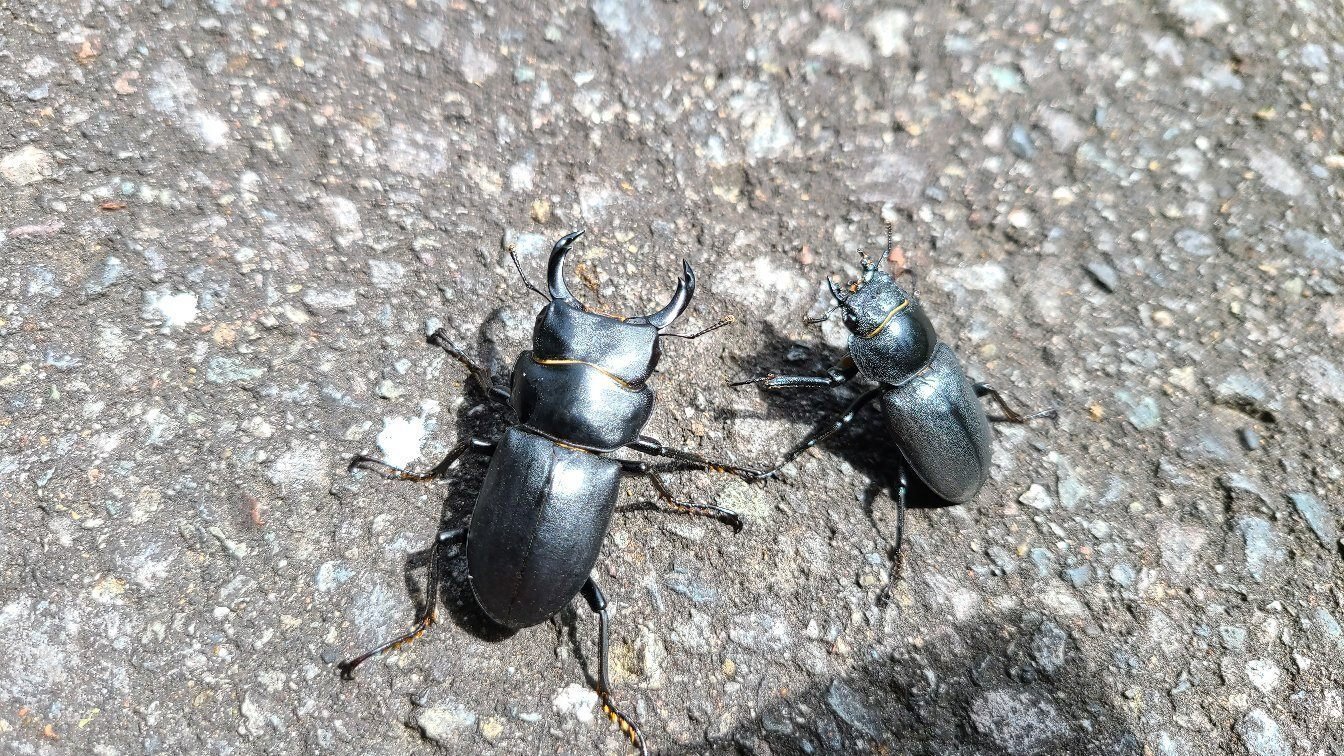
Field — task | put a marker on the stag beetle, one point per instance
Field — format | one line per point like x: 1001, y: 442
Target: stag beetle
x: 580, y: 393
x: 932, y: 408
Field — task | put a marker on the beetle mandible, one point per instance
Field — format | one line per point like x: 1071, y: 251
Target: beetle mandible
x: 932, y: 408
x: 543, y: 509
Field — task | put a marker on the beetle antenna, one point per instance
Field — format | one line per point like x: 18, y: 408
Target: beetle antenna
x: 698, y: 334
x: 907, y: 266
x: 513, y: 254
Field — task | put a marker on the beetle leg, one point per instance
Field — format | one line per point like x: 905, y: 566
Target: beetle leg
x: 483, y: 379
x: 427, y: 617
x: 1009, y: 414
x: 726, y: 516
x: 598, y: 603
x: 437, y: 471
x: 650, y: 445
x: 816, y: 437
x: 837, y: 374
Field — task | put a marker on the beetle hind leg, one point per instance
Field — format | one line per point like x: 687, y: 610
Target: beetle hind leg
x: 427, y: 618
x: 1010, y: 415
x: 598, y: 603
x: 365, y: 462
x: 722, y: 514
x: 898, y: 551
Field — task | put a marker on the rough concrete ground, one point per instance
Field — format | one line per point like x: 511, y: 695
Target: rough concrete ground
x: 227, y: 226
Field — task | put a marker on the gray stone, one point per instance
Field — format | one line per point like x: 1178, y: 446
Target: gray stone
x: 1020, y: 142
x: 685, y: 583
x: 476, y: 64
x: 1314, y: 250
x: 1264, y: 674
x: 1018, y: 721
x: 229, y: 370
x: 1261, y: 735
x: 845, y: 48
x: 1233, y: 637
x: 1198, y: 16
x: 1277, y: 173
x: 766, y: 131
x: 1173, y: 745
x: 109, y: 273
x: 1123, y: 575
x: 1078, y: 576
x: 631, y: 24
x: 851, y: 708
x: 445, y: 725
x: 1319, y: 518
x: 1104, y: 275
x: 1037, y: 497
x: 1180, y: 545
x: 1239, y: 486
x: 892, y: 176
x: 27, y: 165
x: 1323, y: 376
x: 1262, y: 546
x: 760, y: 632
x: 1141, y: 411
x: 1195, y: 243
x: 888, y: 30
x: 1064, y: 130
x: 1045, y: 563
x: 1242, y: 392
x: 1048, y: 646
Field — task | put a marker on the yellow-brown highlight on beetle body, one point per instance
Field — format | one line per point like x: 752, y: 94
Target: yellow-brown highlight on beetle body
x: 894, y: 312
x: 619, y: 381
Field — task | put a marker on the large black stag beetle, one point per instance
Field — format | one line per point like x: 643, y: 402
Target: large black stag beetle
x: 581, y: 393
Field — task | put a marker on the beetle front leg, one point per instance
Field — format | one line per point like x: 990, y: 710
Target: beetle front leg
x: 726, y: 516
x: 483, y: 378
x: 836, y: 375
x: 816, y: 437
x: 598, y: 603
x: 650, y: 445
x: 1009, y: 414
x: 437, y: 471
x: 427, y: 617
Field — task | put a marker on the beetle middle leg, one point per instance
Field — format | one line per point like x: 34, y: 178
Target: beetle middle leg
x: 427, y: 618
x: 816, y: 437
x: 650, y: 445
x: 1010, y: 415
x: 598, y: 603
x: 437, y: 471
x: 726, y: 516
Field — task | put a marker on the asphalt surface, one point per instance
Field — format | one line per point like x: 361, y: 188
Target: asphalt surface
x: 227, y: 227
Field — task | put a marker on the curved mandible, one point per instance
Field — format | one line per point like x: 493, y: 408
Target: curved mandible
x: 555, y: 268
x: 681, y: 298
x: 835, y: 290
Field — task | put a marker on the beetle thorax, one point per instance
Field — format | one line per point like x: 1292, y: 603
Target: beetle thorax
x: 891, y: 338
x: 626, y: 350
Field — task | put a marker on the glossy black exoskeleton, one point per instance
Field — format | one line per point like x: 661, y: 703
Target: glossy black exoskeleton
x: 932, y: 409
x: 537, y: 527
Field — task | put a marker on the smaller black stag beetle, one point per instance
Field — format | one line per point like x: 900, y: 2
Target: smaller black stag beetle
x: 932, y: 408
x: 550, y: 489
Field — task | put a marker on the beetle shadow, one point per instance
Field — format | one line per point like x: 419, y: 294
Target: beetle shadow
x: 1007, y: 683
x: 445, y: 565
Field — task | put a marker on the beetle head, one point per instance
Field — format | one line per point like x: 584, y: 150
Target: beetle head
x: 870, y: 302
x: 626, y: 347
